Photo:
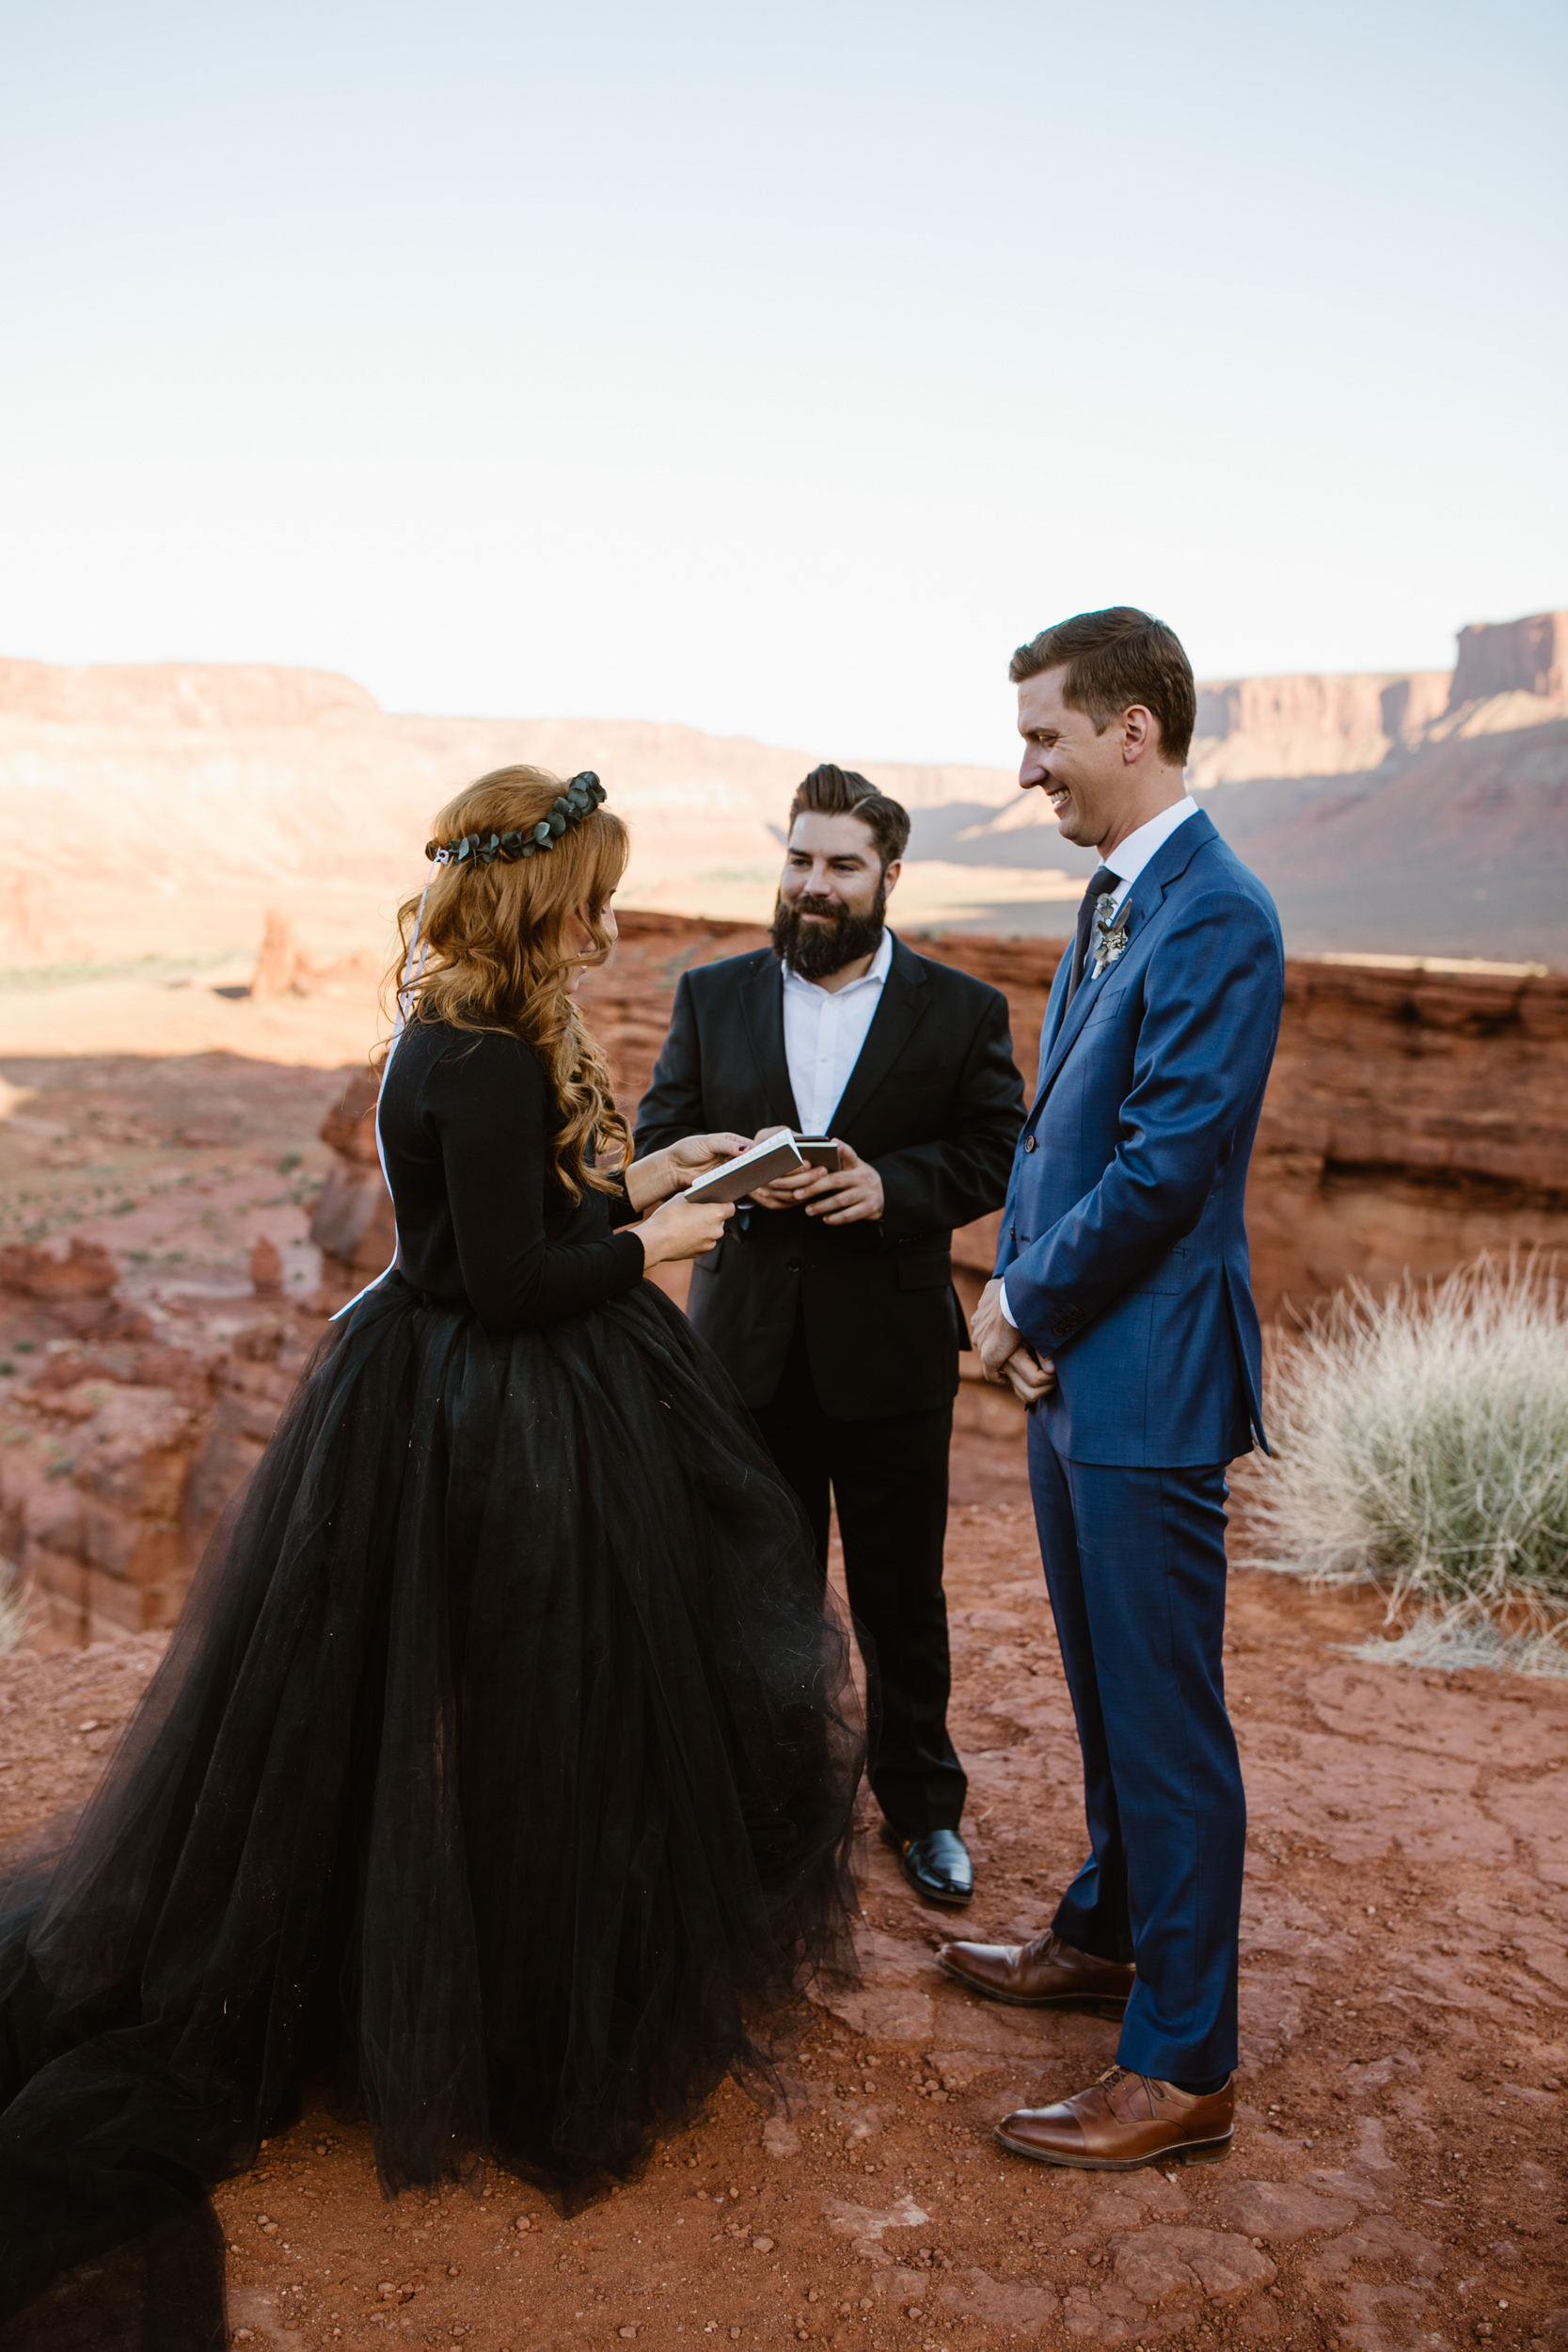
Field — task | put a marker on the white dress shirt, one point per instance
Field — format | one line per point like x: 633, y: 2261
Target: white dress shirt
x: 1127, y: 862
x: 824, y: 1031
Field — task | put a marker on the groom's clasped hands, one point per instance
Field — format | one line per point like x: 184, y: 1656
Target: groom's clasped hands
x: 1005, y: 1358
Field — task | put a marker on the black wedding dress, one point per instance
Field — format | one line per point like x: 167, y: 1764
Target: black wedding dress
x: 497, y: 1778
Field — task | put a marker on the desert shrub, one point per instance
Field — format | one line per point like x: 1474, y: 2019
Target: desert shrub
x: 1420, y: 1443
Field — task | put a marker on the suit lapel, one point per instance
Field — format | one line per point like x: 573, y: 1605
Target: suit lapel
x: 761, y: 1008
x: 1169, y: 862
x: 1053, y: 1021
x: 1078, y: 1012
x: 901, y: 1008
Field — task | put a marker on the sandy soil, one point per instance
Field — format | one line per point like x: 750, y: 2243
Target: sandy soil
x: 1397, y: 2177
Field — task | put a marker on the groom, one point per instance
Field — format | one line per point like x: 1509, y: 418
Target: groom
x: 1122, y: 1311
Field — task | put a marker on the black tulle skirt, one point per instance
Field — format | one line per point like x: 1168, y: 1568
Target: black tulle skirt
x: 499, y: 1778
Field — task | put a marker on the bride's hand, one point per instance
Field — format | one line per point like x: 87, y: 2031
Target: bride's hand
x: 678, y: 1165
x: 683, y: 1229
x: 695, y: 1155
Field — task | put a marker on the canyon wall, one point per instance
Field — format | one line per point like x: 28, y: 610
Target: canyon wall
x: 1423, y: 815
x: 1527, y: 657
x: 1414, y: 1117
x: 195, y: 797
x: 1254, y: 727
x: 1460, y: 850
x: 118, y: 1455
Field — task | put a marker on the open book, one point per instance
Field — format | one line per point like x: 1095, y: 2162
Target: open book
x: 777, y: 1156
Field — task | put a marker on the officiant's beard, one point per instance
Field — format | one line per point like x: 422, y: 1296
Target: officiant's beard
x: 813, y: 950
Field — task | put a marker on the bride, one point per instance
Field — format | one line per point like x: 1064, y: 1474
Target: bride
x: 499, y: 1773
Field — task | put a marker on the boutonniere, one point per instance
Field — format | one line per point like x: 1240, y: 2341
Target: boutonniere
x: 1110, y: 936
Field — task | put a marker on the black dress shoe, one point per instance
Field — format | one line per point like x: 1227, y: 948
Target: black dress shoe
x: 937, y: 1864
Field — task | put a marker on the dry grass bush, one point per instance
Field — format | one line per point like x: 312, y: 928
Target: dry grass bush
x: 1420, y: 1444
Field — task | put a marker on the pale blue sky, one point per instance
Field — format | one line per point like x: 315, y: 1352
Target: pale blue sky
x: 775, y: 369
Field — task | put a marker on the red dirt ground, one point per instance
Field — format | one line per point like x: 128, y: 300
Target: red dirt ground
x: 1396, y: 2178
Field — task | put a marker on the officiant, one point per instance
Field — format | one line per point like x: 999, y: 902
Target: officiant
x: 830, y: 1298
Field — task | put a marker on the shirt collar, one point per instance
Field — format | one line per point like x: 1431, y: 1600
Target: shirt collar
x: 1127, y: 861
x: 881, y: 964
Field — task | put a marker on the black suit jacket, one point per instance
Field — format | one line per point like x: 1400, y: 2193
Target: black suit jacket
x: 934, y: 1103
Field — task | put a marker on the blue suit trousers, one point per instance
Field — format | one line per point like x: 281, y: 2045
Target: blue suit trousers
x: 1134, y: 1564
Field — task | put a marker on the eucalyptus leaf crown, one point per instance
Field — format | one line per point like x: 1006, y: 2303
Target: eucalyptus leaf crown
x: 582, y: 797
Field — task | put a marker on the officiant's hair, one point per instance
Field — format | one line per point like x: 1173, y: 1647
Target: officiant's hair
x: 1113, y: 660
x: 830, y: 791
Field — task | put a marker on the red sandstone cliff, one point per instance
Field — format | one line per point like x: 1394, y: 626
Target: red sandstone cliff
x: 1527, y: 657
x: 1381, y: 809
x: 116, y: 1462
x: 1414, y: 1118
x: 1274, y: 728
x: 1311, y: 726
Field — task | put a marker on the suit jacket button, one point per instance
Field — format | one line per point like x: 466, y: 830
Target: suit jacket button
x: 1028, y: 1143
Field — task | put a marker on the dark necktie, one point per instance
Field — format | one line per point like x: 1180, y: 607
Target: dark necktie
x: 1101, y: 881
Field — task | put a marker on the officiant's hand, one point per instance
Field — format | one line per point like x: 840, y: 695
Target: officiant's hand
x: 849, y: 1194
x: 846, y: 1194
x: 784, y: 1192
x: 679, y: 1165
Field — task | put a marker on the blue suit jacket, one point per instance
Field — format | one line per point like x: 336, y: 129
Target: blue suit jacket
x: 1123, y: 1242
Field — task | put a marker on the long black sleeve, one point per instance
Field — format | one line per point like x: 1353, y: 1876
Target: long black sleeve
x: 466, y: 1123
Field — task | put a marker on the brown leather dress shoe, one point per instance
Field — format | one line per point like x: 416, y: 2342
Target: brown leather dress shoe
x: 1123, y: 2121
x: 1035, y: 1976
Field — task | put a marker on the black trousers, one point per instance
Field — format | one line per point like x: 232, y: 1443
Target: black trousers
x: 889, y: 1480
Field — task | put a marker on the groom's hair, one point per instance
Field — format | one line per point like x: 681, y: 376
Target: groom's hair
x: 1113, y: 659
x: 830, y: 791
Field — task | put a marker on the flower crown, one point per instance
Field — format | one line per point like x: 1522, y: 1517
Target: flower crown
x: 582, y: 796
